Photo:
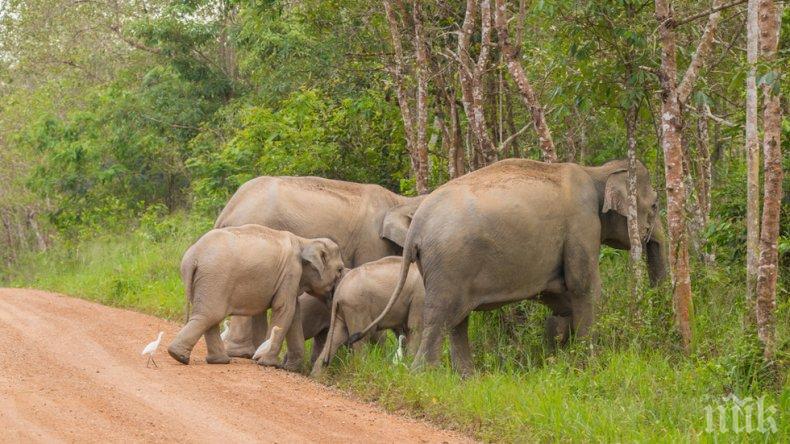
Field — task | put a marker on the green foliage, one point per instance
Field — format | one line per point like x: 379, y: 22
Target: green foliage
x: 355, y: 139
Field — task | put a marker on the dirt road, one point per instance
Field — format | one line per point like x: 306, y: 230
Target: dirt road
x: 71, y: 370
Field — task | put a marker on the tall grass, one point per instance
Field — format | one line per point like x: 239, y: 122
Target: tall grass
x: 632, y: 384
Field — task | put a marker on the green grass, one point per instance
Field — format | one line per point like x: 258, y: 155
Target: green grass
x: 136, y: 270
x: 634, y: 386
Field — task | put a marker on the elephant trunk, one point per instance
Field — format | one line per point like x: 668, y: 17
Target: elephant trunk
x: 656, y: 252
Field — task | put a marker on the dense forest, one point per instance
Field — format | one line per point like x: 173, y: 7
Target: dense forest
x: 125, y: 126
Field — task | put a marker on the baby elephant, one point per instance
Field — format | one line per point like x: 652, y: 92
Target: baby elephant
x: 245, y: 271
x: 362, y: 295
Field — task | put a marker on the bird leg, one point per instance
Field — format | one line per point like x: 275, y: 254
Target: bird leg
x: 152, y: 360
x: 148, y: 362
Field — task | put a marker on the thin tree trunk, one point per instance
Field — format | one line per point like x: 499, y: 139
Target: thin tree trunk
x: 422, y: 100
x: 9, y: 236
x: 411, y: 126
x: 752, y: 154
x: 456, y: 154
x: 41, y: 240
x: 546, y: 142
x: 583, y: 148
x: 769, y: 18
x: 472, y: 75
x: 634, y: 238
x: 701, y: 54
x: 631, y: 115
x: 704, y: 179
x: 673, y: 170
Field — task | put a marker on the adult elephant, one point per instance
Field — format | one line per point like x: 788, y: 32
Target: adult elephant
x: 367, y: 222
x: 520, y: 229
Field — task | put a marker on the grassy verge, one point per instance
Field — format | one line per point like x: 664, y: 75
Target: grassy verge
x: 635, y: 385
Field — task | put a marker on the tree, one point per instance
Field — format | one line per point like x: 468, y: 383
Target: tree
x: 671, y: 128
x: 547, y: 148
x: 769, y: 15
x: 752, y: 152
x: 414, y: 126
x: 471, y: 74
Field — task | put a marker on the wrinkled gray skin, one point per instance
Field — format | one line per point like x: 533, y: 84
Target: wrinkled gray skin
x: 362, y: 294
x: 245, y: 271
x: 314, y: 314
x: 521, y: 229
x: 368, y: 222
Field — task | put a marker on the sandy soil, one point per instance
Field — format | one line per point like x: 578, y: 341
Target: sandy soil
x: 71, y: 370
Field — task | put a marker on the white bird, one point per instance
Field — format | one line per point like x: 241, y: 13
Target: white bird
x: 398, y: 358
x: 225, y: 330
x: 150, y: 349
x: 267, y: 344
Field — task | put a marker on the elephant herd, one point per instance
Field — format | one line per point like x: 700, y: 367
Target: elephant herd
x: 517, y: 229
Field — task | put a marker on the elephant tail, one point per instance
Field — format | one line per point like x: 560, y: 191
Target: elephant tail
x: 332, y: 323
x: 188, y: 276
x: 409, y: 256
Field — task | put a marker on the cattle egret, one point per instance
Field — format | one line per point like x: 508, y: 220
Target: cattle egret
x: 399, y: 352
x: 150, y: 349
x: 225, y: 330
x: 267, y: 344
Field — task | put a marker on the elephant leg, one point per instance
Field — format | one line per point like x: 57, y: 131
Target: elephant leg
x: 437, y: 320
x: 377, y: 337
x: 239, y: 342
x: 295, y: 340
x: 413, y: 331
x: 558, y: 325
x: 557, y: 331
x: 582, y: 278
x: 284, y: 308
x: 339, y: 337
x: 318, y: 346
x: 459, y: 349
x: 185, y: 341
x: 216, y: 349
x: 260, y: 329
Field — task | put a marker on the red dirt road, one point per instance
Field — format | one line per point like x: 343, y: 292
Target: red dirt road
x: 71, y: 370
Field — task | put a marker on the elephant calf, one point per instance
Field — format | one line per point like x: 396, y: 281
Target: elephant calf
x: 245, y: 271
x: 362, y: 294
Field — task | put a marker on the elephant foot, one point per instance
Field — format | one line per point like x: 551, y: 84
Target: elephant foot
x: 557, y: 331
x: 268, y: 361
x: 217, y: 359
x: 292, y: 365
x: 178, y: 354
x: 239, y: 351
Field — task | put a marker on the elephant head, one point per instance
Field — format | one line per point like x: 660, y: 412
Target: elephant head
x: 613, y: 184
x: 397, y: 219
x: 322, y: 266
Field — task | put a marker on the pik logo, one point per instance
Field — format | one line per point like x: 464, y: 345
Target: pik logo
x: 736, y: 415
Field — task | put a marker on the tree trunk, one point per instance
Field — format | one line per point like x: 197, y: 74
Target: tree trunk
x: 421, y: 148
x: 410, y: 126
x: 673, y: 170
x: 701, y: 54
x: 456, y: 152
x: 704, y: 179
x: 752, y: 153
x: 41, y: 240
x: 769, y: 16
x: 547, y: 148
x: 633, y: 222
x: 9, y: 237
x: 472, y: 75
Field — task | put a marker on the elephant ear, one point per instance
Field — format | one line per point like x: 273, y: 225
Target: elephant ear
x: 396, y: 223
x: 314, y: 254
x: 615, y: 195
